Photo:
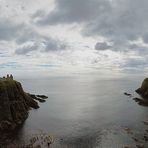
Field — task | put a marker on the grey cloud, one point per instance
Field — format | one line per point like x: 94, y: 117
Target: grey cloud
x: 145, y: 38
x: 118, y: 21
x: 9, y: 30
x: 136, y: 63
x: 53, y: 45
x: 125, y: 22
x: 22, y: 34
x: 26, y: 49
x: 27, y: 34
x: 38, y: 13
x: 43, y: 45
x: 102, y: 46
x: 140, y: 49
x: 71, y: 11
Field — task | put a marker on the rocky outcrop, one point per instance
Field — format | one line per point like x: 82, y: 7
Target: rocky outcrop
x: 38, y: 97
x: 143, y: 90
x: 14, y: 104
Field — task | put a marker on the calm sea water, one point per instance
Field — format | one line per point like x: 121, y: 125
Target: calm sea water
x: 85, y: 111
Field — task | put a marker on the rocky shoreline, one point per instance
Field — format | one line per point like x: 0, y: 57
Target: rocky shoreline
x: 15, y: 103
x: 143, y: 92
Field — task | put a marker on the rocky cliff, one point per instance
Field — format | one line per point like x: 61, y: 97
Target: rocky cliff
x: 143, y: 90
x: 14, y: 104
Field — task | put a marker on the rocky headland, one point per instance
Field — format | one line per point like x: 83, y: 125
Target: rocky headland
x: 143, y: 92
x: 15, y: 103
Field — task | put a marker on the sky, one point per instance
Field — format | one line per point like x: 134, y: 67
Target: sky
x: 54, y: 36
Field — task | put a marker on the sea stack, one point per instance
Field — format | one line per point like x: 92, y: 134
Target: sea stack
x: 14, y: 103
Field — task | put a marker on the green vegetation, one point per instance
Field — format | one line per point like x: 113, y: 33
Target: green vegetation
x: 6, y: 82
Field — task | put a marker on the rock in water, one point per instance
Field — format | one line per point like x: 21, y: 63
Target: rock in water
x: 14, y: 104
x: 143, y: 90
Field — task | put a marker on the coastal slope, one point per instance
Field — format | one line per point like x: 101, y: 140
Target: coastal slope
x: 14, y: 104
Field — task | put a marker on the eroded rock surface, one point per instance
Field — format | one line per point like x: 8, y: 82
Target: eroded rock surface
x: 14, y: 104
x: 143, y: 90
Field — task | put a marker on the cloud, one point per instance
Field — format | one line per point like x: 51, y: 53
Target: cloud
x: 141, y: 50
x: 26, y: 49
x: 20, y: 35
x: 16, y: 32
x: 135, y: 64
x: 145, y: 38
x: 102, y: 46
x: 10, y: 64
x: 79, y: 26
x: 118, y: 21
x: 38, y: 14
x: 9, y: 30
x: 53, y: 45
x: 125, y: 22
x: 71, y: 11
x: 27, y: 34
x: 43, y: 44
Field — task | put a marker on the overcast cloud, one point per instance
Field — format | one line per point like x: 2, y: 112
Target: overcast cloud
x: 88, y: 33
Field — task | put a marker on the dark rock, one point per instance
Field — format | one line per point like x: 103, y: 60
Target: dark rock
x: 40, y: 100
x: 42, y: 96
x: 31, y: 102
x: 145, y: 122
x: 142, y: 102
x: 135, y: 139
x: 140, y: 145
x: 146, y: 138
x: 14, y: 104
x: 127, y: 94
x: 36, y: 98
x: 143, y: 90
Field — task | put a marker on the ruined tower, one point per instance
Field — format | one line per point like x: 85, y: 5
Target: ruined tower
x: 11, y: 77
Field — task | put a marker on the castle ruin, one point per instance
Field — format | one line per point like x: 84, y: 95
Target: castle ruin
x: 8, y: 77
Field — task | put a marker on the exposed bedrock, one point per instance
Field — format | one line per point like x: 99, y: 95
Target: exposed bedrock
x: 14, y: 104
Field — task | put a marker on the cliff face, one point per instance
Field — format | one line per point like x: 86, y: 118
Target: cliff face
x: 143, y: 90
x: 14, y: 104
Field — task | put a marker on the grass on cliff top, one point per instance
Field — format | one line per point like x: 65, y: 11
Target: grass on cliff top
x: 7, y: 82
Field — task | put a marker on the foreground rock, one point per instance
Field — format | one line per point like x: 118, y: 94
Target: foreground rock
x: 14, y: 104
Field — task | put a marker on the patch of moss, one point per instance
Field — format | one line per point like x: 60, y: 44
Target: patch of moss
x: 5, y: 82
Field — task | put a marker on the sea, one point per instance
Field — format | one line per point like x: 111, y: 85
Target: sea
x: 85, y: 111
